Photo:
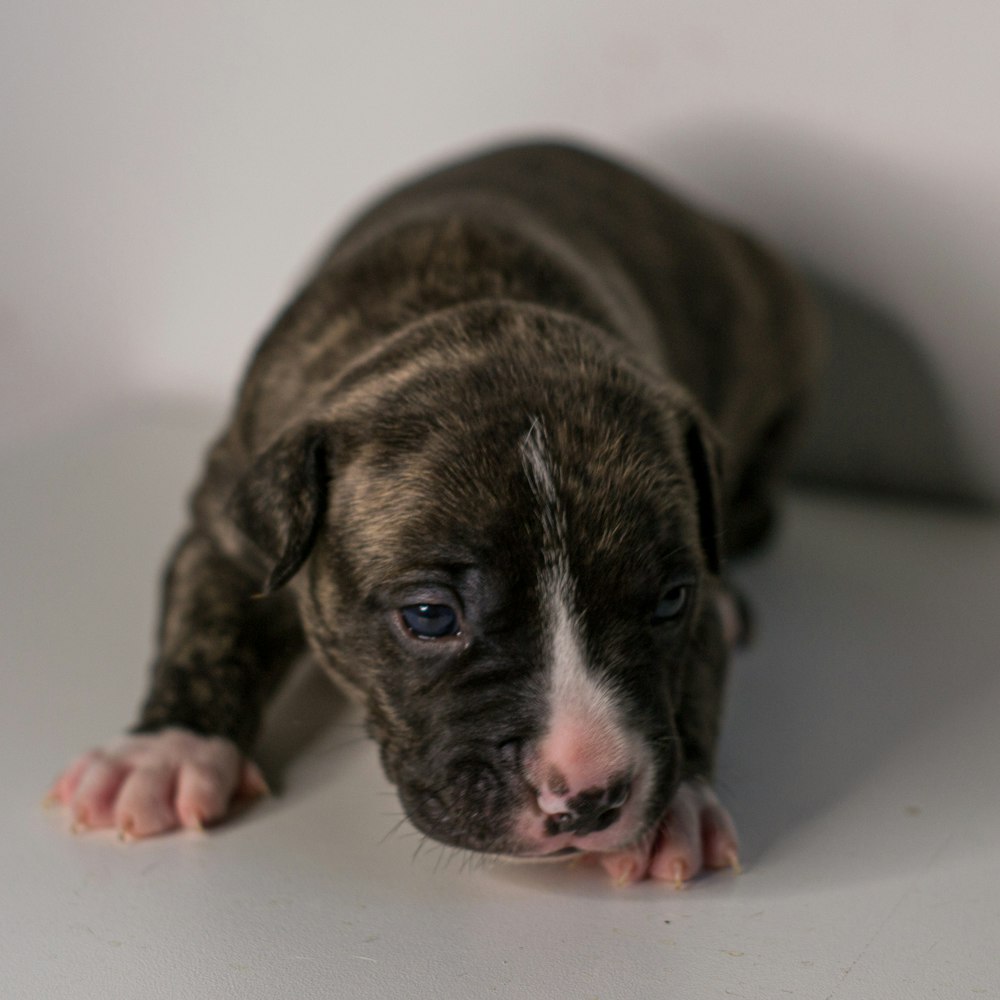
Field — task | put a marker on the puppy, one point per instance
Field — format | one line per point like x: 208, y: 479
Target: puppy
x: 486, y: 467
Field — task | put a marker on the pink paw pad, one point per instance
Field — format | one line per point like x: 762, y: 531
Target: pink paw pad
x: 696, y: 833
x: 150, y: 784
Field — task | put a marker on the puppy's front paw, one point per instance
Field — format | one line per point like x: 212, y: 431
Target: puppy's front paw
x: 696, y: 832
x: 150, y: 784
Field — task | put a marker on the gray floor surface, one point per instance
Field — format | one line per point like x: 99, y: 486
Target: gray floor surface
x: 861, y: 761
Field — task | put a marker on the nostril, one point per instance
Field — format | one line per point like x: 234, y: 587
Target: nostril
x: 618, y: 794
x: 595, y: 821
x: 606, y: 818
x: 561, y: 823
x: 581, y: 825
x: 585, y: 812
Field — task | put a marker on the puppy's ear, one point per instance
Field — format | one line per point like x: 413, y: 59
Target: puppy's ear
x: 703, y: 450
x: 279, y: 504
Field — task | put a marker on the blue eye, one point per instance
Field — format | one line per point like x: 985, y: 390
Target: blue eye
x: 430, y: 621
x: 671, y: 606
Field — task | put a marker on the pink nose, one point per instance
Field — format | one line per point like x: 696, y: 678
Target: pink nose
x: 585, y: 812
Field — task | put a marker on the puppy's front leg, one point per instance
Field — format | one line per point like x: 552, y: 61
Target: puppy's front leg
x: 221, y: 652
x: 696, y: 831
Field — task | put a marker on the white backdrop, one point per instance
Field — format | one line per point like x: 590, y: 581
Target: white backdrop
x: 168, y: 169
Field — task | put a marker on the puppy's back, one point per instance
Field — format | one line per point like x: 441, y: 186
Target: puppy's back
x: 718, y: 310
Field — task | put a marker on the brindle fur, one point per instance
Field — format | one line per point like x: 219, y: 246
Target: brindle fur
x: 667, y: 357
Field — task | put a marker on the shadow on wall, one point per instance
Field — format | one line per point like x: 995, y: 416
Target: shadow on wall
x: 887, y: 419
x: 881, y: 421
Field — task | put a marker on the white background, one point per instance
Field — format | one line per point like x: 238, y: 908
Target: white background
x: 169, y: 169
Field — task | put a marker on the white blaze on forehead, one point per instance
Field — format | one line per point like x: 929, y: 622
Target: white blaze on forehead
x: 585, y: 743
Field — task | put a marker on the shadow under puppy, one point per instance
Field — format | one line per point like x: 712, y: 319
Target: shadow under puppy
x: 485, y: 466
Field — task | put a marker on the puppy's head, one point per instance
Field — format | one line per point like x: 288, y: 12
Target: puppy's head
x: 506, y: 544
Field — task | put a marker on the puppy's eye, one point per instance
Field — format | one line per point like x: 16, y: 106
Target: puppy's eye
x: 671, y: 605
x: 430, y: 621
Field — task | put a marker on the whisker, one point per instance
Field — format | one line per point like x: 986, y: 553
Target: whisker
x: 352, y: 742
x: 437, y: 864
x: 420, y: 847
x: 393, y: 829
x: 326, y: 747
x: 722, y: 786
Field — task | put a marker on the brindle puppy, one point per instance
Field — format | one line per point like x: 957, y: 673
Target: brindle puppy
x: 486, y: 467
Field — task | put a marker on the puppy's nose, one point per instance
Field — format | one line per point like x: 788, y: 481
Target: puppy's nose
x: 586, y: 812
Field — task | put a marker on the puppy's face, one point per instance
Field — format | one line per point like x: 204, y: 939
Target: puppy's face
x: 516, y: 590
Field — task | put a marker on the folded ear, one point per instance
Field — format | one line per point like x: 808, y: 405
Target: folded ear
x: 704, y: 456
x: 279, y: 504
